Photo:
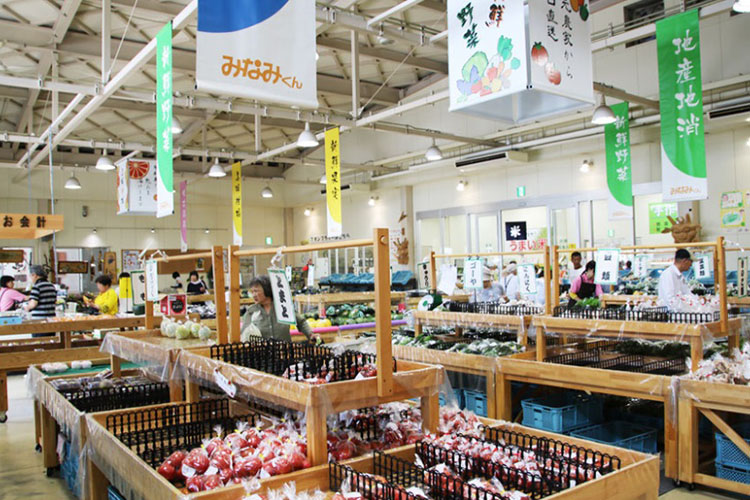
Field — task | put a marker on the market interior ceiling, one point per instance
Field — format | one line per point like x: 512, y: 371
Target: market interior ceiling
x: 58, y: 54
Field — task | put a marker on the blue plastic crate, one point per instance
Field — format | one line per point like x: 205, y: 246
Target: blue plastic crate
x: 561, y: 412
x: 736, y: 474
x: 460, y: 400
x: 11, y: 320
x: 620, y: 433
x: 113, y: 494
x: 727, y: 452
x: 476, y: 402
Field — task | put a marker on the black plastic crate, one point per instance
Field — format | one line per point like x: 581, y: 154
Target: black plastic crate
x: 582, y: 358
x: 493, y: 308
x: 656, y: 314
x: 116, y: 398
x: 625, y: 362
x: 155, y: 433
x: 293, y: 360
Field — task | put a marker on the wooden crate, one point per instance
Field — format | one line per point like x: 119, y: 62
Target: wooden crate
x: 695, y: 335
x: 709, y: 399
x: 323, y: 299
x: 461, y: 320
x: 411, y: 380
x: 617, y: 383
x: 638, y: 476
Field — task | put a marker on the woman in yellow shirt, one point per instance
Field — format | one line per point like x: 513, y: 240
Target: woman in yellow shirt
x: 106, y: 302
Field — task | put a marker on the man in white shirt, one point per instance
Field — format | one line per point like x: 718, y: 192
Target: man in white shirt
x: 575, y: 267
x: 671, y: 282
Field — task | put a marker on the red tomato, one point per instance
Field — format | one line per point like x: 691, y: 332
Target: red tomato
x: 212, y: 482
x: 221, y: 459
x: 211, y: 446
x: 168, y: 471
x: 176, y: 458
x: 196, y: 460
x: 247, y: 467
x: 194, y: 484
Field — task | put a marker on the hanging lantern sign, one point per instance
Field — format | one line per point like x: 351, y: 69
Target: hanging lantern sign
x: 516, y: 63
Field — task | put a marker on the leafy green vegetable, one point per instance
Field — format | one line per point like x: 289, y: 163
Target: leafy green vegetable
x: 479, y: 59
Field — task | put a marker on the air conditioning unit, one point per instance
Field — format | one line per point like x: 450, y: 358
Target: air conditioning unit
x: 488, y: 156
x: 737, y: 109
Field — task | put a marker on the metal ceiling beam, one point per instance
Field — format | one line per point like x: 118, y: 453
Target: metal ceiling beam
x: 134, y: 65
x: 192, y: 130
x: 625, y: 96
x: 386, y: 55
x: 406, y: 4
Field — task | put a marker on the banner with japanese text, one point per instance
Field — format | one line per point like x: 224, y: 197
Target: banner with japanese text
x: 619, y: 173
x: 164, y: 185
x: 560, y: 48
x: 244, y: 49
x: 683, y: 150
x: 183, y: 217
x: 333, y: 182
x: 282, y: 297
x: 136, y: 186
x: 237, y: 203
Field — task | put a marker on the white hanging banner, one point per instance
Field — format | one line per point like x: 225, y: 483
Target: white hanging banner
x: 136, y: 187
x: 311, y: 276
x: 244, y: 49
x: 742, y: 276
x: 138, y: 285
x: 527, y: 280
x: 448, y: 278
x: 152, y: 280
x: 473, y: 274
x: 640, y: 265
x: 607, y: 266
x: 288, y: 273
x: 423, y: 275
x: 282, y: 297
x: 702, y: 267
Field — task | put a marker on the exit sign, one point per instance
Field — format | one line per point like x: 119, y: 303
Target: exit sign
x: 520, y: 191
x: 269, y: 240
x: 611, y: 233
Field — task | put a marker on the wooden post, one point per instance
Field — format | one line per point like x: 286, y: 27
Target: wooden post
x: 217, y: 257
x: 97, y: 482
x: 430, y: 408
x: 150, y: 323
x: 115, y: 365
x: 491, y: 395
x: 49, y: 439
x: 192, y: 392
x: 671, y: 458
x: 502, y: 396
x: 688, y: 439
x: 317, y: 432
x: 720, y: 288
x: 3, y: 391
x: 382, y: 257
x: 37, y: 423
x: 234, y: 294
x: 547, y: 280
x: 555, y: 288
x: 433, y: 272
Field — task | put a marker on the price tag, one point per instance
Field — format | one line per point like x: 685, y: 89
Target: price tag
x: 702, y: 267
x: 288, y: 273
x: 448, y: 278
x: 607, y: 266
x: 640, y: 265
x: 473, y: 274
x: 311, y: 276
x: 152, y: 280
x: 742, y: 276
x: 224, y: 383
x: 282, y: 297
x: 527, y: 280
x: 424, y: 275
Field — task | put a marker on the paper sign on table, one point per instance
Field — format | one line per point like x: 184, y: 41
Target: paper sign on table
x: 640, y: 265
x: 742, y: 276
x: 527, y: 280
x: 702, y: 267
x: 473, y: 274
x: 448, y: 278
x: 282, y: 297
x: 607, y: 266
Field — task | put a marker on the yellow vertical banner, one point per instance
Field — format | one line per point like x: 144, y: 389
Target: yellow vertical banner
x: 333, y: 182
x: 126, y: 291
x: 237, y: 203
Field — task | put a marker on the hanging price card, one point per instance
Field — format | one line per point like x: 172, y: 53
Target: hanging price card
x: 607, y: 266
x: 473, y: 274
x: 527, y: 280
x: 282, y: 297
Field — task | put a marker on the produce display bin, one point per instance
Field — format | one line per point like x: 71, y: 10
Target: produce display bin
x: 562, y: 412
x: 459, y: 320
x: 727, y: 452
x: 622, y: 434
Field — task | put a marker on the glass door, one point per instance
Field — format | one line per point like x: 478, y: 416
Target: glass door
x: 484, y: 232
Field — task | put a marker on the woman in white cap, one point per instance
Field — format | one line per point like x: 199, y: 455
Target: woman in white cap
x: 510, y: 281
x: 490, y: 292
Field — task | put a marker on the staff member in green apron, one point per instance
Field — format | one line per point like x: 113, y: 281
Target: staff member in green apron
x: 583, y: 287
x: 260, y: 318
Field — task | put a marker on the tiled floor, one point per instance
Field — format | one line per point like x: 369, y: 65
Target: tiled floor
x: 22, y: 474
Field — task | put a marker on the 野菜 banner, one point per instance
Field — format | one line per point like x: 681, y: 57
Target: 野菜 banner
x: 244, y: 50
x: 683, y: 149
x: 333, y: 182
x: 164, y: 186
x: 619, y: 173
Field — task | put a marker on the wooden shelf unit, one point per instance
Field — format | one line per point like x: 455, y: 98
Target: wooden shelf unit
x: 461, y: 320
x: 609, y: 299
x: 710, y: 400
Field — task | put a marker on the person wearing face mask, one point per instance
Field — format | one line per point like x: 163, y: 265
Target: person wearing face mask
x: 672, y: 282
x: 584, y: 287
x: 509, y: 281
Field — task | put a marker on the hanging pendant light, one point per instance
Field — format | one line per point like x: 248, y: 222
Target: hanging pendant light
x: 323, y: 179
x: 104, y: 163
x: 433, y: 153
x: 603, y: 114
x: 176, y: 125
x: 72, y: 183
x: 307, y: 139
x: 741, y: 6
x: 266, y: 192
x: 216, y: 170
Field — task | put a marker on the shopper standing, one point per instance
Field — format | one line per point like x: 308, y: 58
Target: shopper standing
x: 43, y: 295
x: 9, y: 296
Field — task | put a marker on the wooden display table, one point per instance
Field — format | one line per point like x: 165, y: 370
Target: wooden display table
x: 63, y: 345
x: 318, y: 401
x: 707, y: 399
x: 460, y: 320
x: 325, y: 299
x: 694, y: 334
x: 637, y: 477
x: 617, y: 383
x: 609, y: 299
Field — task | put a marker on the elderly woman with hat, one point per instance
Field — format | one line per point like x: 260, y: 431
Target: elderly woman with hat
x: 491, y: 291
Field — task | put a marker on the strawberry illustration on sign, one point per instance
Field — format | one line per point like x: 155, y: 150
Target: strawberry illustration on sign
x: 553, y: 75
x: 539, y: 54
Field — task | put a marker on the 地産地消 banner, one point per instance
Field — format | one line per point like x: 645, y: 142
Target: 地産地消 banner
x: 237, y: 203
x: 683, y: 149
x: 333, y: 182
x: 164, y: 185
x: 183, y: 217
x: 245, y: 48
x: 619, y: 173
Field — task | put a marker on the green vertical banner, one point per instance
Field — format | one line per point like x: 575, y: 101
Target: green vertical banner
x: 619, y: 173
x: 164, y: 187
x: 683, y: 149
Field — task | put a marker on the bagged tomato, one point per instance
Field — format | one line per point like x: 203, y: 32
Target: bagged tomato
x: 253, y: 437
x: 298, y: 461
x: 247, y: 467
x: 212, y: 482
x: 175, y: 459
x: 236, y: 441
x: 168, y: 471
x: 213, y: 444
x: 226, y: 475
x: 282, y: 465
x: 221, y: 459
x: 344, y: 450
x: 194, y: 484
x: 195, y: 463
